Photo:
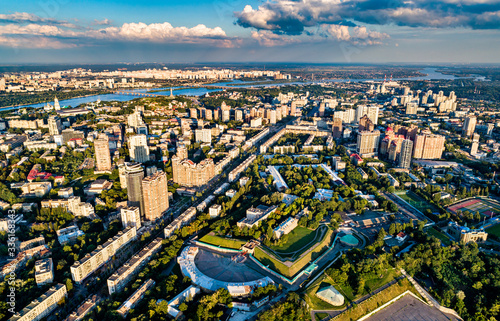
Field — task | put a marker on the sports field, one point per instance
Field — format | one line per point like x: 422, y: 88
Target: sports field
x: 415, y: 201
x: 222, y: 241
x: 485, y: 206
x: 495, y: 230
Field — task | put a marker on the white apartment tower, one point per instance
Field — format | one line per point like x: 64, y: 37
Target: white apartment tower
x: 138, y: 146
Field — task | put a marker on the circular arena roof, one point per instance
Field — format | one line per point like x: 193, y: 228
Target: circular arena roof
x: 245, y: 285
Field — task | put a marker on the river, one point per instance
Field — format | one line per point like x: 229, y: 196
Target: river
x: 432, y: 74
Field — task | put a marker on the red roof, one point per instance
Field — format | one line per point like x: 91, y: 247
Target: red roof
x: 356, y: 156
x: 34, y: 174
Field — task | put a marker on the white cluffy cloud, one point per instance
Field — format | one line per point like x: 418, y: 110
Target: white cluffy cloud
x: 25, y: 30
x: 156, y: 32
x: 358, y: 35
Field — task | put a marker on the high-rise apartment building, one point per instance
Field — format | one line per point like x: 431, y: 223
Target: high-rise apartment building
x: 365, y: 124
x: 130, y: 216
x: 337, y: 128
x: 370, y: 111
x: 293, y: 108
x: 203, y: 135
x: 348, y: 116
x: 182, y: 152
x: 321, y: 109
x: 411, y: 108
x: 102, y: 154
x: 56, y: 104
x: 138, y: 147
x: 395, y: 148
x: 193, y: 113
x: 368, y: 142
x: 475, y: 144
x: 54, y: 123
x: 428, y: 146
x: 469, y: 125
x: 135, y: 119
x: 238, y: 115
x: 406, y: 153
x: 155, y: 195
x: 226, y: 115
x: 134, y: 173
x: 187, y: 173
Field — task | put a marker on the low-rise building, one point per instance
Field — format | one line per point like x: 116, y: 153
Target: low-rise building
x: 83, y: 309
x: 254, y: 215
x: 43, y: 306
x: 173, y: 304
x: 235, y: 173
x: 137, y: 296
x: 244, y: 180
x: 285, y: 227
x: 66, y: 192
x: 98, y: 186
x: 214, y: 210
x: 124, y: 274
x: 26, y: 245
x: 185, y: 218
x: 36, y: 189
x: 465, y: 234
x: 73, y: 205
x: 68, y: 234
x: 278, y: 181
x: 44, y: 271
x: 102, y: 254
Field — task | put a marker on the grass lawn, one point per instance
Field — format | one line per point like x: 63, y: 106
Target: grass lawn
x: 290, y: 271
x: 347, y: 291
x: 222, y: 241
x: 442, y: 237
x: 372, y: 282
x: 376, y: 281
x: 299, y: 237
x: 321, y: 315
x: 377, y: 300
x: 495, y: 230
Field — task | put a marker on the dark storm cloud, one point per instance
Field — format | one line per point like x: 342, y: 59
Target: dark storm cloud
x: 292, y: 17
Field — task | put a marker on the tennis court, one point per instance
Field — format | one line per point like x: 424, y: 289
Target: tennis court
x: 485, y: 207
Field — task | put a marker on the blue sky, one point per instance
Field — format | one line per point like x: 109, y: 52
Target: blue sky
x: 350, y: 31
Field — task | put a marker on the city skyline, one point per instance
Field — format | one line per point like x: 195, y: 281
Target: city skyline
x: 318, y: 31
